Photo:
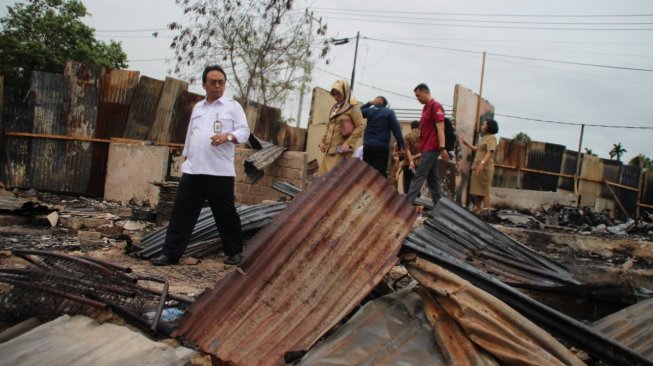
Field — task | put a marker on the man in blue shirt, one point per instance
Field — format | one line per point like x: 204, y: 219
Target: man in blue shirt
x: 381, y: 120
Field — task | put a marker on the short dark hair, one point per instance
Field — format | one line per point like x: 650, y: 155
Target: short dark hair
x: 492, y: 126
x: 212, y: 68
x: 423, y: 87
x: 385, y: 101
x: 414, y: 124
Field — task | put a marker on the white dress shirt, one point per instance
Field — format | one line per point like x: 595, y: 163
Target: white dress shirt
x: 202, y: 158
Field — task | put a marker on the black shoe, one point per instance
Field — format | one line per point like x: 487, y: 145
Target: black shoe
x: 163, y: 260
x: 234, y: 259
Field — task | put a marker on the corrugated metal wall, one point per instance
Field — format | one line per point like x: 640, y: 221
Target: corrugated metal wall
x: 543, y: 157
x: 165, y: 111
x: 569, y: 161
x: 49, y: 95
x: 83, y: 88
x: 184, y: 109
x: 589, y: 190
x: 116, y: 92
x: 611, y: 172
x: 510, y: 153
x: 630, y: 176
x: 16, y: 116
x: 647, y: 192
x: 143, y: 110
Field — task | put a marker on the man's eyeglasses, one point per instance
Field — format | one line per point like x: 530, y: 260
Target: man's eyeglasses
x: 217, y: 82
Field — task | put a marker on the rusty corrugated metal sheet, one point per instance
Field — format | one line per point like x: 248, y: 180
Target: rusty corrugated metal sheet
x: 484, y: 322
x: 292, y: 138
x: 632, y: 327
x: 50, y: 98
x: 256, y: 163
x: 116, y: 92
x: 391, y: 330
x: 630, y: 176
x: 161, y: 129
x: 511, y: 153
x: 591, y: 168
x: 17, y: 116
x: 143, y: 109
x: 543, y: 157
x: 83, y: 88
x: 304, y: 271
x: 81, y: 341
x: 183, y: 111
x: 569, y: 160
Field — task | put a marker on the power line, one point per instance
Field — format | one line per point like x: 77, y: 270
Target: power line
x: 511, y: 56
x: 491, y: 15
x: 574, y: 123
x: 490, y: 26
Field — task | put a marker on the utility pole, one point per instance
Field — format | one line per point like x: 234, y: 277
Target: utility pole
x: 353, y: 70
x: 578, y: 161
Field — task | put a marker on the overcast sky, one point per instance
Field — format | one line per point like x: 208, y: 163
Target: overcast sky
x: 404, y: 43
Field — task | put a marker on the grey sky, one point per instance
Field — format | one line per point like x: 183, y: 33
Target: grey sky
x: 396, y: 53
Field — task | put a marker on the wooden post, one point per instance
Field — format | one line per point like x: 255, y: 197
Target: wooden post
x: 578, y: 160
x: 478, y: 102
x: 642, y: 179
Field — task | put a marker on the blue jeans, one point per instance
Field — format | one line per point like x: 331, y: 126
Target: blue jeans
x: 427, y: 170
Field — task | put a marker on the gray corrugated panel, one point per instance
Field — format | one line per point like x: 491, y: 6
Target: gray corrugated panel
x: 611, y: 172
x: 647, y: 192
x: 165, y: 112
x: 143, y: 108
x: 47, y: 162
x: 16, y: 117
x: 630, y: 176
x: 287, y: 188
x: 205, y: 233
x: 305, y: 270
x: 81, y: 341
x: 433, y: 247
x: 116, y: 92
x: 256, y: 162
x: 544, y: 157
x: 569, y: 161
x: 80, y: 121
x: 391, y: 330
x: 632, y: 326
x: 184, y: 109
x: 464, y: 236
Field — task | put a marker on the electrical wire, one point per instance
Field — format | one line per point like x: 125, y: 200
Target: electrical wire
x: 490, y: 14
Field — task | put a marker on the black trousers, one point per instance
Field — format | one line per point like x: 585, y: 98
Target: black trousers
x: 193, y: 190
x: 408, y: 177
x: 377, y: 157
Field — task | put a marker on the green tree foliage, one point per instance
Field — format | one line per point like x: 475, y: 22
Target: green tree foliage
x: 642, y: 161
x: 617, y: 151
x: 265, y: 45
x: 522, y: 137
x: 44, y: 34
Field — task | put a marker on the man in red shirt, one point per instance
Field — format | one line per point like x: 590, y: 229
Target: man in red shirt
x: 431, y: 143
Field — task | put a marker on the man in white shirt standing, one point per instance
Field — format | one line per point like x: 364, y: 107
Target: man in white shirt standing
x: 216, y: 126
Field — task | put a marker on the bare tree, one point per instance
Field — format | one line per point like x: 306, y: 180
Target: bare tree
x: 265, y: 44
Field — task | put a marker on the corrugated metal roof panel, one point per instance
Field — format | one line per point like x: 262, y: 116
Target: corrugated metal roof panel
x: 83, y: 88
x: 461, y: 234
x: 632, y: 327
x: 50, y: 99
x: 143, y: 109
x: 630, y: 176
x: 165, y: 111
x: 81, y: 341
x: 611, y: 172
x: 391, y: 330
x: 184, y: 109
x: 510, y: 153
x: 116, y: 92
x: 569, y: 161
x: 17, y: 117
x: 304, y: 271
x: 484, y: 322
x: 647, y: 191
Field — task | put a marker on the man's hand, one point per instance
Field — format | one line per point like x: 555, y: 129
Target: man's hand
x: 444, y: 155
x: 218, y: 139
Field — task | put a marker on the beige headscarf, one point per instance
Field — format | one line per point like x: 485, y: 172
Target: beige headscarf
x: 343, y: 87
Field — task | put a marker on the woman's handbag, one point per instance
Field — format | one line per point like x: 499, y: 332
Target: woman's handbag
x: 346, y: 127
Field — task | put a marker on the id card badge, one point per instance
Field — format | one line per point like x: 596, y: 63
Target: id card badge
x: 217, y: 125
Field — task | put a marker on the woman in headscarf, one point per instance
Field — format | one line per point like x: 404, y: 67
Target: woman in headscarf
x: 344, y: 128
x: 483, y: 165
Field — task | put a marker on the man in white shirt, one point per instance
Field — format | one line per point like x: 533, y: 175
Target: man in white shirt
x: 216, y: 126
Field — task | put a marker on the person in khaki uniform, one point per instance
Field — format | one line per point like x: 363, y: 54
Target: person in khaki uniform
x: 483, y: 165
x: 344, y: 128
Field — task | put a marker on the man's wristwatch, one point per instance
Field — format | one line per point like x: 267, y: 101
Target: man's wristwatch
x: 230, y: 137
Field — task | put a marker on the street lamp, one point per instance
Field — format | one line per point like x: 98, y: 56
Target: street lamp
x: 341, y: 41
